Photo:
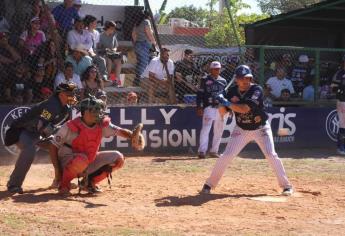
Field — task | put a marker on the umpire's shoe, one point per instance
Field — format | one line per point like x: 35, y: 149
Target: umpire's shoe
x: 14, y: 189
x: 287, y: 192
x: 201, y: 155
x: 205, y: 189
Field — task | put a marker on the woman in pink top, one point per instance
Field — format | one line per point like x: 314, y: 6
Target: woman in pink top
x: 32, y: 38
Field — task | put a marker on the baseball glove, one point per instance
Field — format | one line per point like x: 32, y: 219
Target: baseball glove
x: 137, y: 139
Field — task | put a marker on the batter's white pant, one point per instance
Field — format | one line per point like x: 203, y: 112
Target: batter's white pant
x: 211, y: 116
x: 239, y: 139
x: 341, y: 114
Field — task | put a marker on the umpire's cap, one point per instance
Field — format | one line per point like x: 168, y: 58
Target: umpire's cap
x: 69, y: 88
x: 243, y: 71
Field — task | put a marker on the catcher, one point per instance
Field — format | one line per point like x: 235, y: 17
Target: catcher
x: 75, y: 148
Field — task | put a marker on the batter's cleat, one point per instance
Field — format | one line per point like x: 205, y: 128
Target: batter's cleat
x: 201, y: 155
x: 287, y: 192
x: 341, y: 151
x: 15, y: 189
x: 214, y: 155
x: 205, y: 189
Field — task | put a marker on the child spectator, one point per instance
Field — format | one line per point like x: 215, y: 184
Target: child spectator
x: 67, y: 75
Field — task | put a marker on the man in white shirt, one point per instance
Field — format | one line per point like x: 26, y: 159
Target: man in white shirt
x: 279, y: 82
x: 80, y: 36
x: 67, y: 76
x: 155, y: 77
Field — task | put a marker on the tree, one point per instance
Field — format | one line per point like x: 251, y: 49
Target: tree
x: 191, y: 13
x: 274, y: 7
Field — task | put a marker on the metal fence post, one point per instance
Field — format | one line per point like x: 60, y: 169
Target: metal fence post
x: 262, y: 65
x: 317, y: 75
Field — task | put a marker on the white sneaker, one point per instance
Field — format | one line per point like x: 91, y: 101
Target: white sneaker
x: 287, y: 192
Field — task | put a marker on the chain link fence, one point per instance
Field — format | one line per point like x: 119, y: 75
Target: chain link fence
x: 113, y: 49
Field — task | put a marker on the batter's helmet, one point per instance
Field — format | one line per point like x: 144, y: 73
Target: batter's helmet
x: 243, y: 71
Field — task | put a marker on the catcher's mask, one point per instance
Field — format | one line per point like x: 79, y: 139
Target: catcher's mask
x: 94, y: 106
x: 70, y: 89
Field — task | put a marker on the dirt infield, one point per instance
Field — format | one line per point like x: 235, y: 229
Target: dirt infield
x: 159, y: 196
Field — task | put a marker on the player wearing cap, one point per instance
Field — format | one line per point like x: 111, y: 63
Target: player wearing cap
x: 338, y: 85
x: 41, y: 121
x: 245, y: 99
x: 207, y: 107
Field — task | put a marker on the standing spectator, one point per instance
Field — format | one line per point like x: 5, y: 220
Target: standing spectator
x: 279, y: 82
x: 91, y: 24
x: 18, y: 88
x: 186, y: 73
x: 155, y: 76
x: 229, y: 70
x: 108, y: 47
x: 31, y: 39
x: 207, y: 107
x: 80, y: 59
x: 299, y: 74
x: 91, y: 82
x: 39, y: 84
x: 67, y: 76
x: 80, y: 36
x: 308, y: 91
x: 65, y: 14
x: 143, y: 41
x: 77, y: 5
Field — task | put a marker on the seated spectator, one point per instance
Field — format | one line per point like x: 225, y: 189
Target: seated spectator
x: 18, y: 87
x: 285, y: 95
x: 299, y: 73
x: 91, y: 24
x: 31, y: 39
x: 187, y: 76
x: 4, y: 26
x: 132, y: 98
x: 156, y: 79
x: 8, y: 54
x: 91, y: 82
x: 79, y: 59
x: 68, y: 75
x: 39, y: 84
x: 107, y: 47
x: 279, y: 82
x: 80, y: 36
x: 46, y: 18
x: 65, y: 14
x: 229, y: 69
x: 308, y: 91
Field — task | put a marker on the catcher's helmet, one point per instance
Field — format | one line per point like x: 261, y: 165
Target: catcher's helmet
x: 243, y: 71
x: 95, y: 106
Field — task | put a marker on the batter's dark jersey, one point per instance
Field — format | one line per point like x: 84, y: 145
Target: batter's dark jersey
x: 253, y: 97
x: 50, y: 111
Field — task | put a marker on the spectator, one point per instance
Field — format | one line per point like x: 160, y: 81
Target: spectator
x: 143, y: 41
x: 39, y: 84
x: 77, y: 5
x: 286, y: 62
x: 46, y: 18
x: 205, y: 67
x: 186, y: 73
x: 31, y: 39
x: 18, y: 88
x: 91, y: 24
x: 156, y: 78
x: 132, y: 98
x: 64, y: 15
x: 107, y: 47
x: 79, y: 59
x: 308, y: 91
x: 80, y: 36
x: 285, y: 95
x: 91, y: 82
x: 279, y: 82
x: 299, y: 73
x: 228, y: 72
x: 101, y: 94
x: 68, y: 75
x: 8, y: 54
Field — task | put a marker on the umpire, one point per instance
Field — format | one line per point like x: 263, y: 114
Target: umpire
x: 41, y: 121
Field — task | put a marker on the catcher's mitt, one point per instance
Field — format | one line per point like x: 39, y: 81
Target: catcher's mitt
x: 137, y: 139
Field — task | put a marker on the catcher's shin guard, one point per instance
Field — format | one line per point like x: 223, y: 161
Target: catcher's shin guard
x: 73, y: 169
x: 105, y: 171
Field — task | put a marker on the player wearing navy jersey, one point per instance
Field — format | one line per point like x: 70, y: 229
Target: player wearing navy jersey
x: 207, y: 107
x: 338, y: 85
x: 42, y: 120
x: 245, y: 99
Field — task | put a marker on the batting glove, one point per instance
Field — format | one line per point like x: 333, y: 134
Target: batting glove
x: 222, y: 100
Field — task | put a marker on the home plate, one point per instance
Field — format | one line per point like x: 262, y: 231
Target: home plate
x: 269, y: 199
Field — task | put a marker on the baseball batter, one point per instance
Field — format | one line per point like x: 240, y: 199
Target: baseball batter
x: 338, y: 85
x: 245, y: 99
x: 207, y: 107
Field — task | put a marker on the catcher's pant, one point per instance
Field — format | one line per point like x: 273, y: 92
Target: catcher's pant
x: 239, y: 139
x: 75, y: 162
x: 211, y: 116
x: 27, y: 147
x: 341, y: 114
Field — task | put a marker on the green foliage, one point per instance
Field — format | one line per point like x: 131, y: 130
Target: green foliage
x: 274, y: 7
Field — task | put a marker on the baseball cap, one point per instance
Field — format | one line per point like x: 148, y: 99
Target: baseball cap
x: 36, y: 18
x: 243, y: 71
x: 215, y: 65
x: 303, y: 58
x: 69, y: 88
x: 77, y: 2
